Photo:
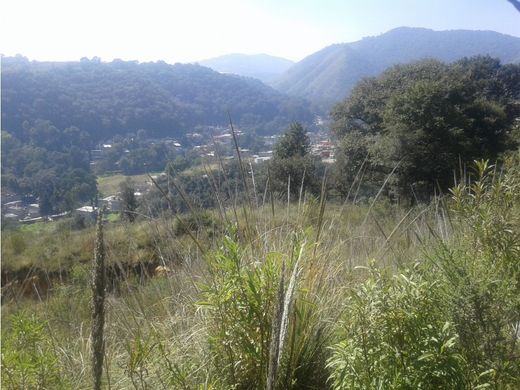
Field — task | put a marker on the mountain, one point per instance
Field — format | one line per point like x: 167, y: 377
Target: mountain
x: 260, y: 66
x: 119, y: 97
x: 329, y: 75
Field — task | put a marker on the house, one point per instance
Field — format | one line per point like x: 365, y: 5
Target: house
x: 87, y: 211
x: 112, y: 203
x: 33, y: 210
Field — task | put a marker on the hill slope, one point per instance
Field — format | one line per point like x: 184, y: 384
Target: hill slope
x: 328, y: 75
x: 261, y: 66
x: 121, y: 97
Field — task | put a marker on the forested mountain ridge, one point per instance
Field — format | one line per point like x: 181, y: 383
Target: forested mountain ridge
x: 260, y: 66
x: 328, y: 76
x: 120, y: 97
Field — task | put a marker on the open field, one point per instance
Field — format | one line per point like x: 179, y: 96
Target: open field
x: 339, y: 289
x: 109, y: 185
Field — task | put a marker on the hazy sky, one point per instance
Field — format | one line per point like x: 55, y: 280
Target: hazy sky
x: 185, y: 31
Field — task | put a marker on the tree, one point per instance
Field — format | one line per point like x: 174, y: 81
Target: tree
x: 128, y: 201
x: 423, y: 119
x: 294, y: 142
x: 292, y: 165
x: 351, y: 159
x: 50, y: 164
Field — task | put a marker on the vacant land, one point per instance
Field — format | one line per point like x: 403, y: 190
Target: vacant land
x: 350, y: 296
x: 109, y: 184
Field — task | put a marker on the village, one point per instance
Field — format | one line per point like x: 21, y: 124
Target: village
x: 20, y: 209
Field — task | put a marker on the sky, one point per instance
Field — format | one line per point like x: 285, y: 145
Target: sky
x: 191, y: 30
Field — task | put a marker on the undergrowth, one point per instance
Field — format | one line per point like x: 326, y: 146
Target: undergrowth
x: 302, y: 296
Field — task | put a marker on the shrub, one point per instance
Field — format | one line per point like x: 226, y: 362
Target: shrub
x: 260, y: 323
x: 28, y: 359
x: 393, y: 336
x: 480, y: 272
x: 241, y: 302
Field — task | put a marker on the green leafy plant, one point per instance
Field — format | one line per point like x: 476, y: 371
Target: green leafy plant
x: 241, y: 301
x: 264, y: 329
x: 480, y: 272
x: 29, y: 360
x: 393, y: 336
x: 139, y: 350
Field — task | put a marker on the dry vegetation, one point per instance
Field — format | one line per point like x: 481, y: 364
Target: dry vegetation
x: 310, y: 295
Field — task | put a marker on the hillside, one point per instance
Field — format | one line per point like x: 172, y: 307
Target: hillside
x: 120, y: 97
x: 260, y: 66
x: 329, y: 75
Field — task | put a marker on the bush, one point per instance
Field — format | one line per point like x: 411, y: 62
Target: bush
x: 241, y: 300
x: 453, y: 321
x: 28, y: 359
x: 260, y: 324
x: 194, y: 222
x: 394, y: 336
x: 480, y: 272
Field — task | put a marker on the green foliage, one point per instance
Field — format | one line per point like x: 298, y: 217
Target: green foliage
x: 28, y: 357
x: 241, y: 300
x: 124, y: 96
x: 349, y: 175
x: 292, y: 166
x: 76, y: 221
x: 393, y: 336
x: 196, y: 222
x: 50, y: 164
x: 128, y: 201
x: 294, y: 142
x: 451, y: 322
x: 480, y: 272
x: 139, y: 350
x: 425, y: 119
x: 17, y: 242
x: 242, y: 297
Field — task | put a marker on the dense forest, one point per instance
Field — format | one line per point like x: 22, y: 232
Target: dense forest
x: 105, y: 99
x: 53, y: 114
x: 417, y: 123
x: 51, y: 165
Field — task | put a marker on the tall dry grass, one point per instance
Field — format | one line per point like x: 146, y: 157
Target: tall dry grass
x: 271, y: 295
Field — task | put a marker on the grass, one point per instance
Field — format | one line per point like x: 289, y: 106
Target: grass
x: 312, y: 295
x: 201, y: 169
x: 39, y: 227
x: 113, y: 217
x: 109, y: 184
x: 142, y: 315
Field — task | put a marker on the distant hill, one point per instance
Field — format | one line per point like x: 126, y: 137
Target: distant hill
x: 329, y: 75
x: 260, y: 66
x: 119, y: 97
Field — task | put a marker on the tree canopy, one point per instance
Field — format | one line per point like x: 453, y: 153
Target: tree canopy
x: 294, y: 142
x: 292, y: 165
x: 425, y: 119
x: 51, y: 165
x: 105, y: 99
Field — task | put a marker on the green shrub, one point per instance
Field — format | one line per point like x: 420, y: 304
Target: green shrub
x: 241, y: 300
x: 480, y: 272
x: 259, y: 320
x: 194, y: 222
x: 17, y: 242
x: 393, y: 336
x: 28, y: 358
